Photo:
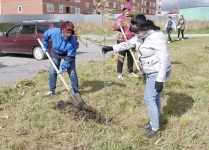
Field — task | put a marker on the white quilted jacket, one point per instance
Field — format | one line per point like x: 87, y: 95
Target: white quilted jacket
x: 152, y: 53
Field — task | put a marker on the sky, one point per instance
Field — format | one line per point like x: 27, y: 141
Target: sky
x: 168, y: 5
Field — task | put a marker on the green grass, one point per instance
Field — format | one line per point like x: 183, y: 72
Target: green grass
x: 30, y: 121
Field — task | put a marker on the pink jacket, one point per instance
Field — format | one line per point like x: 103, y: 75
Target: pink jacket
x: 126, y: 24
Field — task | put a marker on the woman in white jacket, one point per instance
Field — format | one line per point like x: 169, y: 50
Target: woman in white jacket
x: 150, y: 43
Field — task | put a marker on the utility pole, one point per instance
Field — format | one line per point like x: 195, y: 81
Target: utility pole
x: 0, y: 7
x: 179, y: 5
x: 160, y: 7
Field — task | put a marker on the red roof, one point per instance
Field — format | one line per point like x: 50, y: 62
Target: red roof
x: 173, y: 12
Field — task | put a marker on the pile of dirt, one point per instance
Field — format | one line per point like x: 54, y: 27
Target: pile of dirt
x: 85, y: 113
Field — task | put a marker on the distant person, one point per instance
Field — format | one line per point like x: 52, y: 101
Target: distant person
x: 64, y: 46
x: 181, y: 26
x: 169, y: 27
x: 124, y: 21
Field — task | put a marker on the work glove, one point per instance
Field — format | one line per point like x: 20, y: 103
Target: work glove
x: 64, y: 66
x: 44, y: 50
x: 159, y: 86
x: 107, y: 49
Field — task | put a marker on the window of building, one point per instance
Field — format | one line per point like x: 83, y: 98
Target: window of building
x: 67, y: 10
x: 106, y: 4
x: 78, y: 1
x: 142, y: 2
x: 121, y: 6
x: 139, y: 4
x: 19, y: 9
x: 153, y: 4
x: 50, y: 7
x: 133, y: 1
x: 153, y: 12
x: 87, y: 5
x: 150, y: 4
x: 28, y: 29
x: 77, y: 10
x: 147, y: 3
x: 60, y: 8
x: 114, y: 5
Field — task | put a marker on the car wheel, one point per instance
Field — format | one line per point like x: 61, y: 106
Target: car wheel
x: 38, y: 54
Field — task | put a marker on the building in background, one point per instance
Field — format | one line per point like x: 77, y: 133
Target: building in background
x: 147, y: 7
x: 197, y: 13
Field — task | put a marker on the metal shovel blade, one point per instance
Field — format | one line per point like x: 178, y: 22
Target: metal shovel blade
x: 76, y: 100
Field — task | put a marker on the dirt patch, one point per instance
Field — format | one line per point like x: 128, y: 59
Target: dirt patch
x: 85, y: 113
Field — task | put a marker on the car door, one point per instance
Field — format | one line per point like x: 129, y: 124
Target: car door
x: 27, y: 38
x: 9, y: 42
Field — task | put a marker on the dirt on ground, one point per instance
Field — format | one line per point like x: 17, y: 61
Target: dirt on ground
x: 85, y: 113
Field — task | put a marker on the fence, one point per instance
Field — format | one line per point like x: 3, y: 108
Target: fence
x: 76, y: 18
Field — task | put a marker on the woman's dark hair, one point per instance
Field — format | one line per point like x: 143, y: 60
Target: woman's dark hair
x: 67, y: 26
x: 142, y: 23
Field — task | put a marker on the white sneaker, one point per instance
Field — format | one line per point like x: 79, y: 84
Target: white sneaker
x: 182, y: 39
x: 169, y: 41
x: 133, y: 75
x: 177, y: 38
x: 120, y: 76
x: 49, y: 94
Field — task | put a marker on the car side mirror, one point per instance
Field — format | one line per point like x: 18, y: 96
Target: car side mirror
x: 5, y: 33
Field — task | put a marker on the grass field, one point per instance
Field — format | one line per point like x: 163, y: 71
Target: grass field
x: 110, y: 122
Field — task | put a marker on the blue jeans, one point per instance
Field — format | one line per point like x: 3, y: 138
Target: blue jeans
x: 152, y: 99
x: 71, y: 72
x: 169, y: 33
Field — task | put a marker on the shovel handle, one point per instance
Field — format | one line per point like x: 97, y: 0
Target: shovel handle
x: 140, y: 70
x: 47, y: 54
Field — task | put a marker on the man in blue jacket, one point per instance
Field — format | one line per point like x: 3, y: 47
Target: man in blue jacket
x: 64, y: 46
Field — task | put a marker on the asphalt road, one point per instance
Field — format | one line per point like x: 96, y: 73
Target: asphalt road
x: 18, y: 67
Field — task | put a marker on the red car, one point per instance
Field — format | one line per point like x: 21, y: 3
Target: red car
x: 22, y: 38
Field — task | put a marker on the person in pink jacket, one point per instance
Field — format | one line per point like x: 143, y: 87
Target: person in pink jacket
x: 124, y: 21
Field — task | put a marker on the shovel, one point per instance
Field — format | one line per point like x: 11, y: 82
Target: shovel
x: 139, y: 67
x: 75, y: 98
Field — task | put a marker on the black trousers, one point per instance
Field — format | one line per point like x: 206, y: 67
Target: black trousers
x: 182, y: 33
x: 129, y: 60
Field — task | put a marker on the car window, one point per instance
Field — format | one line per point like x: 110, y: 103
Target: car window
x: 41, y: 28
x: 58, y: 24
x: 14, y: 30
x: 28, y: 29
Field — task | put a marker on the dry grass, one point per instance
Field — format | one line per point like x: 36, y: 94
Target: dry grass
x: 193, y: 27
x: 32, y: 122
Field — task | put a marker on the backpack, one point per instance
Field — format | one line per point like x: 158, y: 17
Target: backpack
x: 170, y: 23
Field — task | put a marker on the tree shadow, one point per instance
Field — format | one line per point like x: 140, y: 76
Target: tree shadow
x: 96, y: 85
x: 177, y: 105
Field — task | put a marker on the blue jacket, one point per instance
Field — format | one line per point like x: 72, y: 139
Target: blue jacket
x: 59, y: 44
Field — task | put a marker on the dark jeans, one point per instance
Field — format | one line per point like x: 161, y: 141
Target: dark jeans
x: 129, y: 61
x: 182, y: 33
x: 169, y: 30
x: 71, y: 72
